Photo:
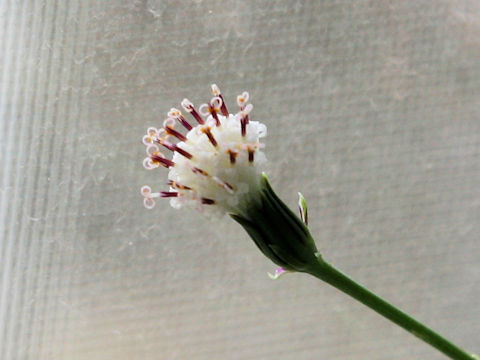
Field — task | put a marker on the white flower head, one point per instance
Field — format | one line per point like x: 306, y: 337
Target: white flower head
x: 216, y: 163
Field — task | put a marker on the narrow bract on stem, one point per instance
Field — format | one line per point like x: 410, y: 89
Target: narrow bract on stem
x: 216, y: 157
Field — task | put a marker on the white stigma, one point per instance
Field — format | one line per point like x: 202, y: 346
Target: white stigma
x: 216, y: 164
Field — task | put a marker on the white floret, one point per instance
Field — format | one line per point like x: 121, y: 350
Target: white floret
x: 242, y: 176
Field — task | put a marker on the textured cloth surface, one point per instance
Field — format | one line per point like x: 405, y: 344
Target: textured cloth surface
x: 373, y: 113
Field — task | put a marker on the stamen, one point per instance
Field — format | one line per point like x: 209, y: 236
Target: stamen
x: 171, y: 131
x: 223, y: 107
x: 178, y: 186
x: 152, y: 134
x: 176, y: 114
x: 251, y: 153
x: 244, y: 117
x: 168, y: 194
x: 206, y: 201
x: 174, y: 147
x: 166, y: 143
x: 188, y: 106
x: 196, y: 170
x: 223, y: 184
x: 148, y: 164
x: 148, y: 200
x: 247, y: 119
x: 162, y: 161
x: 183, y: 152
x: 155, y: 158
x: 242, y: 100
x: 233, y: 156
x: 213, y: 111
x: 206, y: 131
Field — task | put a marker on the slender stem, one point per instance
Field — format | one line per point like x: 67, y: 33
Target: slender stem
x: 332, y: 276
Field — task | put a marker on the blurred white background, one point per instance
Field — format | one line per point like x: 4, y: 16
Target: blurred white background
x: 373, y: 113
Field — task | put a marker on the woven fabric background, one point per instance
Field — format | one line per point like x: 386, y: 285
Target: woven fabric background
x: 373, y: 113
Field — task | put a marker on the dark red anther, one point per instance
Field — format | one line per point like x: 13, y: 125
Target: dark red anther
x: 223, y: 108
x: 163, y: 161
x: 196, y: 170
x: 183, y: 152
x: 184, y: 122
x: 168, y: 194
x: 243, y: 125
x: 245, y: 119
x: 207, y: 201
x: 178, y: 186
x: 233, y: 156
x: 188, y: 106
x: 165, y: 143
x: 213, y: 111
x: 228, y: 186
x: 174, y: 147
x: 197, y: 116
x: 206, y: 131
x: 172, y: 131
x: 251, y: 153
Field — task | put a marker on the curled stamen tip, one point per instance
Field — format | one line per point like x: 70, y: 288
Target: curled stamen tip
x: 147, y: 140
x: 152, y: 149
x: 247, y: 109
x: 148, y: 200
x: 204, y: 110
x: 149, y: 203
x: 242, y: 99
x: 149, y: 164
x: 152, y: 131
x: 216, y: 103
x: 174, y: 112
x: 169, y: 122
x: 278, y: 273
x: 215, y: 90
x: 146, y: 190
x: 187, y: 105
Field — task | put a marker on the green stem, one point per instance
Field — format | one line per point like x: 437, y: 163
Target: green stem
x: 332, y: 276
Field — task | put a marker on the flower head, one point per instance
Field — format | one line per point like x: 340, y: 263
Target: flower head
x: 217, y: 165
x: 216, y: 160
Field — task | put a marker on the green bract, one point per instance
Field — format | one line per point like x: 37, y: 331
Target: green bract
x: 278, y: 232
